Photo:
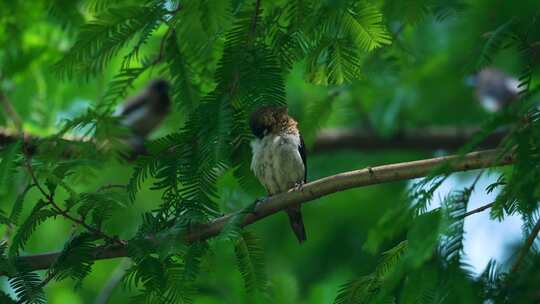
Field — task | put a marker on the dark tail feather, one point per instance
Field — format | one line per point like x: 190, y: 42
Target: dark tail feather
x: 297, y: 224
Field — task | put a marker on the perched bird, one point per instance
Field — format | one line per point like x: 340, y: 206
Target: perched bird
x: 143, y: 113
x: 279, y: 157
x: 494, y: 89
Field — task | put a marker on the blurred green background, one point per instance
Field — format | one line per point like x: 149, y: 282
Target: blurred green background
x: 418, y: 81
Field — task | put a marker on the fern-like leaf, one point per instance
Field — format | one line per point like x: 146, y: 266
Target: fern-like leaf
x: 102, y: 38
x: 76, y: 259
x: 356, y: 291
x: 37, y: 216
x: 367, y: 27
x: 18, y: 205
x: 27, y: 287
x: 9, y: 158
x: 497, y: 39
x: 250, y: 258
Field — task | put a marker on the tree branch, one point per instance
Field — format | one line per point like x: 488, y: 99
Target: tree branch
x: 427, y: 139
x: 312, y: 191
x: 478, y: 210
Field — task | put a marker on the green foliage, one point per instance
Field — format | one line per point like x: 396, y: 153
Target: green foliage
x: 394, y: 65
x: 38, y: 215
x: 102, y: 38
x: 76, y: 259
x: 27, y: 286
x: 250, y: 258
x: 5, y: 298
x: 18, y: 205
x: 366, y: 288
x: 169, y: 279
x: 9, y: 158
x: 455, y: 205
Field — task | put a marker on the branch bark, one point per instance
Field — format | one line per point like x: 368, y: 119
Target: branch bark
x: 312, y: 191
x: 430, y: 138
x: 427, y: 139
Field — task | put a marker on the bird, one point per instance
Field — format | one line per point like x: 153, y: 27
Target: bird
x: 279, y: 157
x: 495, y: 89
x: 144, y: 112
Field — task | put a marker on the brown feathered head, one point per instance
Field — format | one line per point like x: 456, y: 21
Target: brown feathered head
x: 270, y: 119
x: 158, y: 91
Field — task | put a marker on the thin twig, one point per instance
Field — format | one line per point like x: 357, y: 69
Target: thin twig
x: 50, y: 200
x: 162, y: 47
x: 476, y: 179
x: 528, y: 243
x: 170, y: 30
x: 28, y: 167
x: 478, y: 210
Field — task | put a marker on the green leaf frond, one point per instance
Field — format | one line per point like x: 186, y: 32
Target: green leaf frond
x: 421, y: 192
x: 455, y: 205
x: 357, y: 291
x: 102, y: 38
x: 365, y: 24
x: 5, y: 298
x: 121, y: 83
x: 250, y: 258
x: 9, y: 158
x: 27, y: 287
x: 75, y: 260
x: 500, y: 38
x: 18, y: 205
x: 144, y: 166
x: 367, y: 289
x: 168, y: 279
x: 185, y: 93
x: 345, y: 34
x: 38, y: 215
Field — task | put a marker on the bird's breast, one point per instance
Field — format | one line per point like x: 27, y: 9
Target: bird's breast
x: 277, y: 162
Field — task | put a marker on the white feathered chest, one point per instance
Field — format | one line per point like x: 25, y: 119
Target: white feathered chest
x: 277, y: 162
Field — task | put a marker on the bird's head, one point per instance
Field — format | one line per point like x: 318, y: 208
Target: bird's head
x: 159, y: 85
x: 270, y: 119
x: 160, y: 89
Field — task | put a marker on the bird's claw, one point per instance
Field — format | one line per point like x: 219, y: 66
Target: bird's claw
x: 298, y: 186
x: 256, y: 205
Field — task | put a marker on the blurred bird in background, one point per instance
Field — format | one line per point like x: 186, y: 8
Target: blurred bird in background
x: 494, y: 89
x: 279, y: 157
x: 143, y: 113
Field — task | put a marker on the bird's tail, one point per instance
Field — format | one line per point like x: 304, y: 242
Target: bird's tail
x: 297, y: 224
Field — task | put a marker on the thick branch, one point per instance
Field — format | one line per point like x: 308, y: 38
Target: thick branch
x: 349, y: 139
x: 430, y: 138
x: 314, y: 190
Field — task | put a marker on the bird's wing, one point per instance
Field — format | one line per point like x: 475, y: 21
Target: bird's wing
x: 302, y: 150
x: 133, y: 104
